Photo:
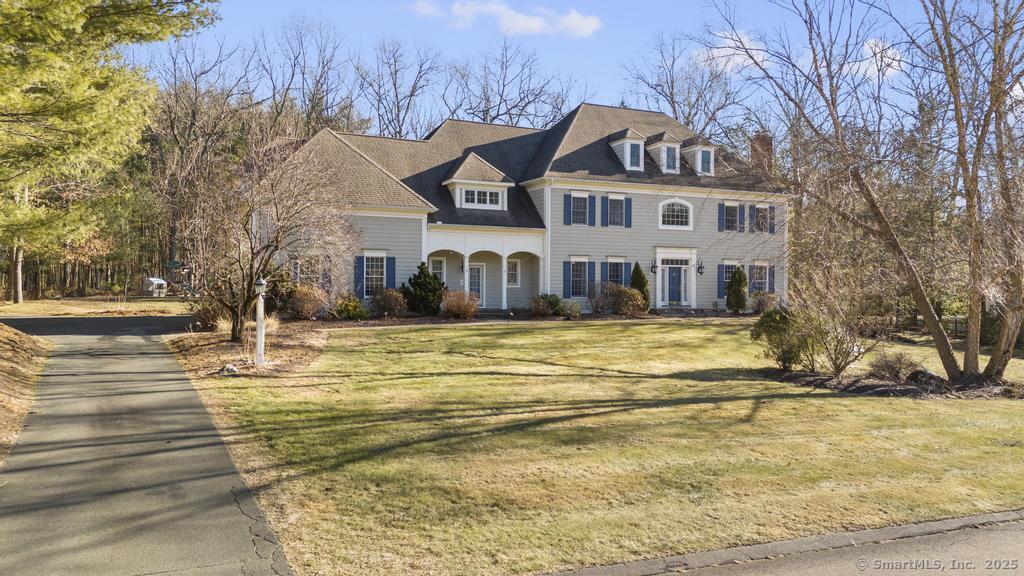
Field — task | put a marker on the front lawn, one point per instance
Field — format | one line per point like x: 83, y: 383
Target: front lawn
x: 96, y: 306
x: 528, y: 447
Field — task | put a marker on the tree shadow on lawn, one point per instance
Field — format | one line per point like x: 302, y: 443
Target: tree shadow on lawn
x: 461, y: 424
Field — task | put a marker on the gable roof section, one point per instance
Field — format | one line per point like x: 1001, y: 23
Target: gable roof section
x: 663, y: 137
x: 626, y: 133
x: 358, y: 180
x: 476, y: 169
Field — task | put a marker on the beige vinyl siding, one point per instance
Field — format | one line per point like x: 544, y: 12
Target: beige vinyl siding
x: 401, y: 237
x: 529, y: 280
x: 637, y: 244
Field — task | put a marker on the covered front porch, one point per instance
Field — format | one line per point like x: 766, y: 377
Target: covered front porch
x: 504, y: 270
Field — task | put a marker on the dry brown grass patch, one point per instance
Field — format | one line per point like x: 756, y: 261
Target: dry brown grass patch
x: 21, y: 360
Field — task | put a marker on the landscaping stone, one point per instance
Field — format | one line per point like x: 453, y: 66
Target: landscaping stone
x: 229, y: 370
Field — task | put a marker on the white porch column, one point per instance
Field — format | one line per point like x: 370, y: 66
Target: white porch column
x: 504, y: 282
x: 542, y: 278
x: 465, y: 274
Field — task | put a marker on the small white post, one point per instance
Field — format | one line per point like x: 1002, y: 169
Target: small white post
x: 261, y: 289
x: 504, y: 282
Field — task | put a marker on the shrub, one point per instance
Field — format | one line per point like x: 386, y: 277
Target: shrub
x: 545, y: 304
x: 350, y: 307
x: 460, y: 304
x: 638, y: 281
x: 624, y: 300
x: 761, y: 302
x: 778, y: 333
x: 206, y: 313
x: 279, y: 295
x: 597, y: 298
x: 424, y: 292
x: 389, y: 303
x: 570, y: 309
x: 736, y: 291
x: 307, y: 300
x: 892, y: 366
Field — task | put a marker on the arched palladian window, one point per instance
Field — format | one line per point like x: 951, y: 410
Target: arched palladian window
x: 675, y: 214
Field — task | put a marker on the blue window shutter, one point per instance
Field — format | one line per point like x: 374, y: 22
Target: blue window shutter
x: 567, y: 216
x: 591, y: 210
x: 721, y: 217
x: 750, y: 279
x: 566, y: 279
x: 357, y: 286
x: 628, y: 208
x: 742, y: 219
x: 591, y: 269
x: 771, y: 279
x: 721, y: 279
x: 627, y: 273
x: 753, y: 217
x: 604, y: 272
x: 771, y: 219
x: 604, y: 210
x: 389, y: 272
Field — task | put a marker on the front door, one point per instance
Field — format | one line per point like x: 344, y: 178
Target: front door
x: 675, y: 285
x: 476, y: 281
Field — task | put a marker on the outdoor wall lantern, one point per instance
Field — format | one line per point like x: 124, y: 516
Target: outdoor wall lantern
x: 654, y: 266
x: 700, y: 268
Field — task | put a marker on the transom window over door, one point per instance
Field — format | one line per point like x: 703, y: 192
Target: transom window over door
x: 373, y: 275
x: 676, y: 214
x: 578, y: 280
x: 579, y: 209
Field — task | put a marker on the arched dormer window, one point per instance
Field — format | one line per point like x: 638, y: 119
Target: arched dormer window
x: 675, y: 214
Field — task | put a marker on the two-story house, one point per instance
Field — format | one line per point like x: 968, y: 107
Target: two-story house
x: 509, y: 213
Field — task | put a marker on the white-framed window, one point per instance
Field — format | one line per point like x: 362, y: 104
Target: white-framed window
x: 513, y: 273
x: 616, y: 210
x: 487, y: 199
x: 579, y: 209
x: 578, y: 279
x: 616, y: 271
x: 759, y: 218
x: 671, y: 158
x: 635, y: 156
x: 728, y: 267
x: 706, y: 161
x: 675, y: 214
x: 732, y: 217
x: 759, y: 277
x: 437, y: 268
x: 373, y: 273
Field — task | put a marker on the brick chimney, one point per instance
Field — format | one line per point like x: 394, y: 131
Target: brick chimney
x: 762, y: 152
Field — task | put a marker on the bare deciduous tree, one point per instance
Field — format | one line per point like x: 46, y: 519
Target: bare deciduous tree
x: 395, y: 84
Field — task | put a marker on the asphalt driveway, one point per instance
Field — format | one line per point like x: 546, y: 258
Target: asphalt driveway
x: 120, y: 469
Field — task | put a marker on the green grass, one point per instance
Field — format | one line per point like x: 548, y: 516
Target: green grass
x: 96, y: 306
x: 519, y: 448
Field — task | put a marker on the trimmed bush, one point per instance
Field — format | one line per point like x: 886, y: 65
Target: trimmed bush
x: 783, y: 344
x: 206, y: 313
x: 307, y: 301
x: 598, y: 298
x: 460, y: 304
x: 279, y: 295
x: 545, y: 305
x: 761, y: 302
x: 638, y: 281
x: 350, y: 307
x: 624, y: 300
x: 570, y: 309
x: 424, y: 292
x: 892, y: 366
x: 736, y: 291
x: 389, y: 303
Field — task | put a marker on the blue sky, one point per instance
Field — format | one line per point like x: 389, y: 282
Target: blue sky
x: 589, y: 39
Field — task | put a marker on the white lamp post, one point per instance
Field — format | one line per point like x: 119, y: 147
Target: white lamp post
x: 261, y: 289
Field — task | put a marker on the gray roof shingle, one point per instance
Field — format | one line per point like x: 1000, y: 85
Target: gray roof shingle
x: 379, y: 171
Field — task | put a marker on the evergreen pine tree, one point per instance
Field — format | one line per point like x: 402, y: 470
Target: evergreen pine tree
x: 638, y: 280
x: 424, y: 292
x: 736, y: 291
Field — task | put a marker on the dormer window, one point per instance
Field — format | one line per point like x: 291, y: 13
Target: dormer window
x: 707, y: 162
x: 481, y: 199
x: 628, y: 145
x: 702, y: 159
x: 671, y: 159
x: 635, y: 161
x: 664, y: 147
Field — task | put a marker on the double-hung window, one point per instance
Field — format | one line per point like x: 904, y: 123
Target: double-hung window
x: 616, y: 211
x: 437, y: 268
x: 634, y: 156
x: 513, y: 273
x: 759, y: 219
x: 759, y: 278
x: 373, y: 275
x: 578, y: 279
x: 616, y: 272
x: 732, y: 217
x: 706, y: 165
x: 579, y: 209
x: 671, y: 159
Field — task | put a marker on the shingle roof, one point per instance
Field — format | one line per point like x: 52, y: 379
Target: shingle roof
x: 379, y: 171
x: 476, y: 169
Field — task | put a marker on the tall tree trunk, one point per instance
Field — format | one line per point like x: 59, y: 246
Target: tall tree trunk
x: 1002, y: 350
x: 17, y: 285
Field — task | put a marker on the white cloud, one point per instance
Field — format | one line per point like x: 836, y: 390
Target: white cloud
x: 881, y: 60
x: 733, y: 53
x: 463, y: 14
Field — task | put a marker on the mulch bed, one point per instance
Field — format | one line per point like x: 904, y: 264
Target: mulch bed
x: 868, y: 386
